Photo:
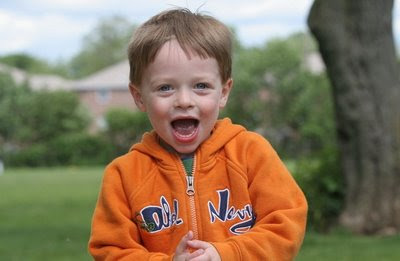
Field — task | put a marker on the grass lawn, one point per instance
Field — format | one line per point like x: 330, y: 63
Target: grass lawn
x: 342, y: 246
x: 45, y: 214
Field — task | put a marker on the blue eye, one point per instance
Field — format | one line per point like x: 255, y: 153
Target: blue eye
x: 201, y: 86
x: 165, y: 88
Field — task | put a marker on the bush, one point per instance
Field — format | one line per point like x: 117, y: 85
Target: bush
x: 124, y: 128
x: 80, y: 149
x: 32, y: 156
x: 45, y: 128
x: 322, y: 182
x: 68, y: 149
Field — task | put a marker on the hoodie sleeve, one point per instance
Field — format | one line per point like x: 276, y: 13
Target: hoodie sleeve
x: 114, y: 235
x: 279, y: 205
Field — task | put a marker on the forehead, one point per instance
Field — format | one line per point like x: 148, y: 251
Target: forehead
x: 171, y: 51
x: 171, y: 58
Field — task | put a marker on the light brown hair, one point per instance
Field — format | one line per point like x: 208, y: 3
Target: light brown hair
x: 203, y: 34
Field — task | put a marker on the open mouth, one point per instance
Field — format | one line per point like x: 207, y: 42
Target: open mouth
x: 185, y: 128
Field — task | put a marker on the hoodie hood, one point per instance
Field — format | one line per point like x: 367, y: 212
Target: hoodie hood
x: 223, y: 132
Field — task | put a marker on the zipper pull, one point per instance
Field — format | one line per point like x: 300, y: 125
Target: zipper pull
x: 190, y: 185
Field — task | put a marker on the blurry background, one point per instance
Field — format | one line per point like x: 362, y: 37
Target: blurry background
x: 66, y: 111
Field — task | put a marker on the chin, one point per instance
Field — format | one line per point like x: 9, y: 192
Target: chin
x: 186, y: 150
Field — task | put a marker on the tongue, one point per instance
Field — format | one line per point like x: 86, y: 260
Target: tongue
x: 184, y: 127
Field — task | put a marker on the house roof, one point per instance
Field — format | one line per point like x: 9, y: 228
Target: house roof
x: 114, y: 77
x: 37, y: 81
x: 111, y: 78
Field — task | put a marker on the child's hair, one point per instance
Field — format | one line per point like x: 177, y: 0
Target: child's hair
x: 203, y: 34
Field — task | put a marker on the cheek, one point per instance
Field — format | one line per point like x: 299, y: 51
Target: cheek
x: 156, y: 112
x: 156, y: 107
x: 211, y: 107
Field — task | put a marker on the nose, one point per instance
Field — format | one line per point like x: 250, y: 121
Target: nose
x: 184, y: 99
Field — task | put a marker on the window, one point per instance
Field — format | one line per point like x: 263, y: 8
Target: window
x: 103, y: 96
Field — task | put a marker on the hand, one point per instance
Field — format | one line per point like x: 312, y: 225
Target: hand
x: 182, y: 252
x: 203, y: 250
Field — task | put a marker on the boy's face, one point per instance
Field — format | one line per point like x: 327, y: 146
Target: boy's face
x: 182, y: 96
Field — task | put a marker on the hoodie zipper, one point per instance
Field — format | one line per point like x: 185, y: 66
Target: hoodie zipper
x: 190, y: 191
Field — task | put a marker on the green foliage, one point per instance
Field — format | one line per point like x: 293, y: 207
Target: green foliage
x: 243, y: 102
x: 303, y: 116
x: 34, y: 155
x: 322, y: 183
x: 125, y: 127
x: 48, y: 114
x: 277, y: 96
x: 45, y: 128
x: 66, y: 149
x: 255, y: 73
x: 105, y: 45
x: 29, y: 117
x: 80, y: 149
x: 24, y: 62
x: 10, y: 100
x: 33, y: 64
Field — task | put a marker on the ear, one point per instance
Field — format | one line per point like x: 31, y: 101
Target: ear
x: 226, y: 89
x: 137, y: 96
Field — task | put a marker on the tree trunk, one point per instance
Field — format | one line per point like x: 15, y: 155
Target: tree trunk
x: 356, y: 42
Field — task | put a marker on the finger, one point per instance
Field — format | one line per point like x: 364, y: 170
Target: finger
x: 182, y: 246
x: 195, y: 254
x: 198, y: 244
x: 189, y: 235
x: 202, y: 257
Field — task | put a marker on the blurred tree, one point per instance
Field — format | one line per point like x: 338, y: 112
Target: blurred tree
x: 33, y: 64
x: 45, y: 115
x: 10, y: 100
x: 356, y: 42
x: 276, y: 95
x: 25, y: 62
x: 124, y: 128
x: 31, y: 122
x: 104, y: 46
x: 244, y: 97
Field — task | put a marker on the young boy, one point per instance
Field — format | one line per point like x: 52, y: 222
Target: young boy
x: 195, y: 188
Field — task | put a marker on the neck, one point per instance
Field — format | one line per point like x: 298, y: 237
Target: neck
x: 169, y: 148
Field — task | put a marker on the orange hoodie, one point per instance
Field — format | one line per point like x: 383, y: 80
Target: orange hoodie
x: 241, y: 199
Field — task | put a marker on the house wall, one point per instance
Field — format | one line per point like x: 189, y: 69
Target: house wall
x: 100, y: 101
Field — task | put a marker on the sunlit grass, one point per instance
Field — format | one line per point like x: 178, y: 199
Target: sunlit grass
x: 343, y: 246
x: 46, y: 213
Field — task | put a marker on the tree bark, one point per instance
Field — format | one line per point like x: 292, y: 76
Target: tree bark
x: 356, y: 42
